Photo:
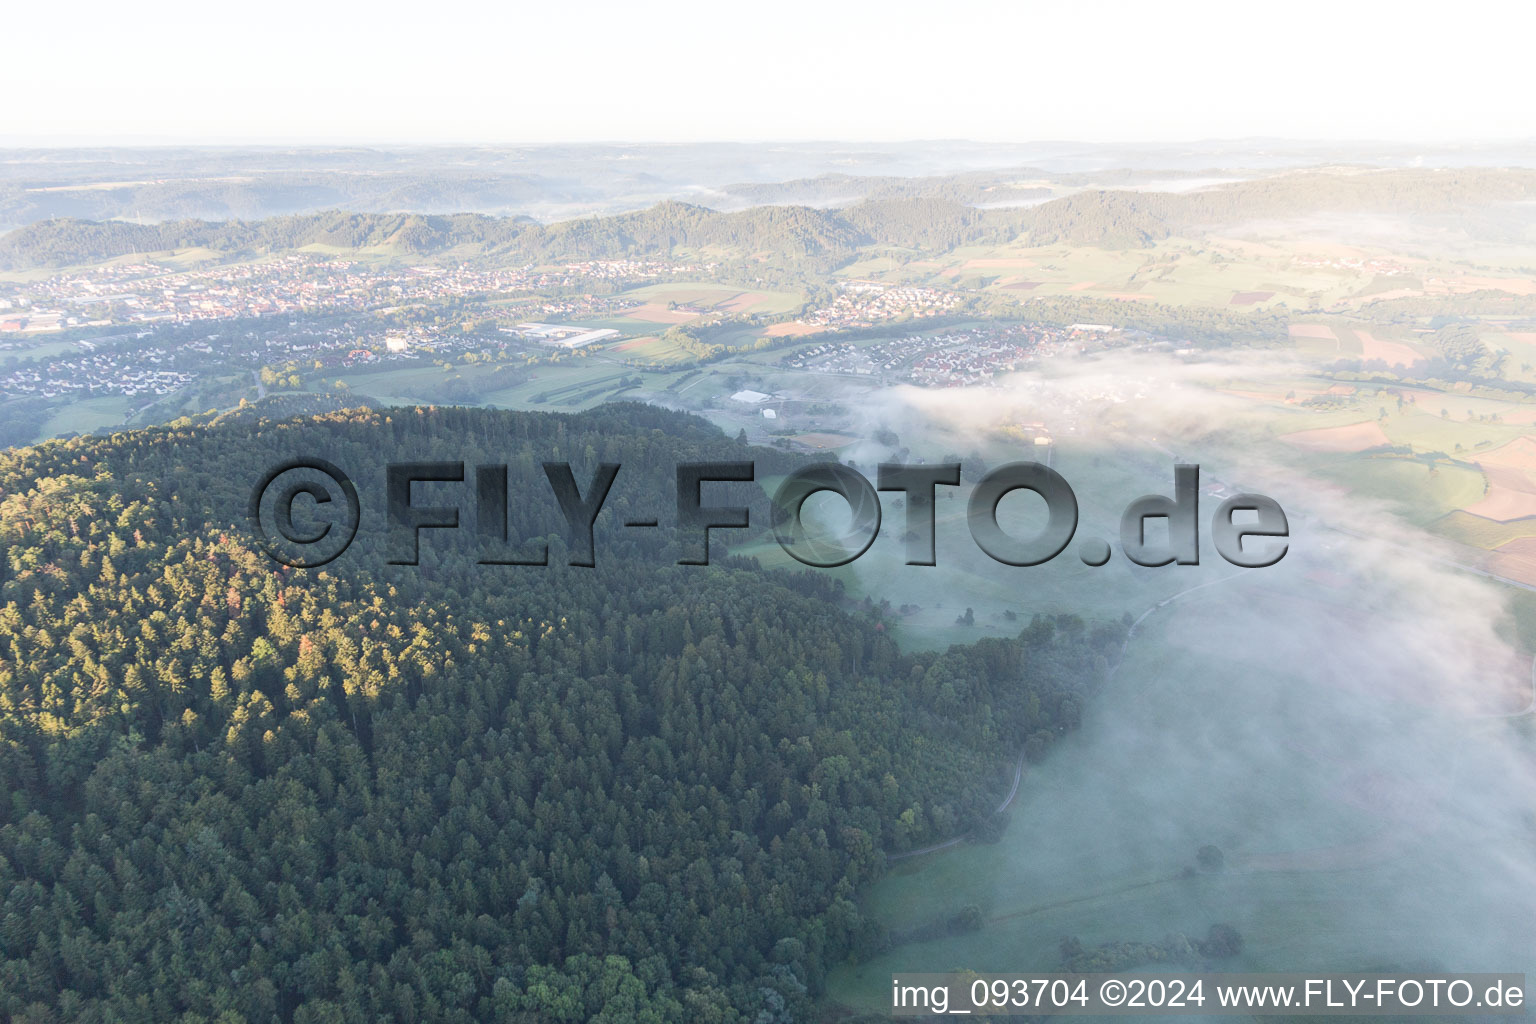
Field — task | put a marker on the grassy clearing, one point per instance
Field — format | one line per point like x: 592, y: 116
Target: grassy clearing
x: 711, y: 294
x: 1407, y: 486
x: 651, y: 350
x: 1426, y: 430
x: 39, y: 348
x: 1521, y: 363
x: 86, y: 415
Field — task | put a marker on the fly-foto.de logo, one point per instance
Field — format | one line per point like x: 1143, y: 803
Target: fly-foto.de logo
x: 306, y: 512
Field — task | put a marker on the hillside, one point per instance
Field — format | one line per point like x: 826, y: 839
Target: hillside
x: 454, y: 792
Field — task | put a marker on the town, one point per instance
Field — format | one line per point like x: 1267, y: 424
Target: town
x: 138, y: 293
x: 960, y: 358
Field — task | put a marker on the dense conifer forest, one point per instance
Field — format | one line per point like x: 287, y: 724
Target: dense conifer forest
x: 453, y: 792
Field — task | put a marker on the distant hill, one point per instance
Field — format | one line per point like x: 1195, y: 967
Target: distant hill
x: 1489, y: 202
x: 772, y: 230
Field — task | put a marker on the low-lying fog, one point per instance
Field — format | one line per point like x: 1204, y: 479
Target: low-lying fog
x: 1348, y: 727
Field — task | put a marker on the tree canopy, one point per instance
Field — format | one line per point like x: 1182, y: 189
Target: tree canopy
x: 454, y: 792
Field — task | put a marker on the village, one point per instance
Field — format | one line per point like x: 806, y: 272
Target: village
x: 142, y: 293
x: 866, y: 303
x: 136, y: 364
x: 290, y: 320
x: 958, y: 358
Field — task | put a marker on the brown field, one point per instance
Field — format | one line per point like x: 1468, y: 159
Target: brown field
x: 1515, y: 285
x: 1250, y: 298
x: 634, y: 343
x: 1082, y: 286
x: 1023, y: 286
x: 1511, y: 473
x: 1510, y: 495
x: 1322, y: 332
x: 1355, y: 437
x: 1516, y: 560
x: 1518, y: 454
x: 742, y: 303
x: 1520, y: 417
x: 656, y: 313
x: 1392, y: 353
x: 790, y: 329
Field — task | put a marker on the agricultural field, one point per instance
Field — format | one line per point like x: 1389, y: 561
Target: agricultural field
x: 1278, y: 268
x: 677, y: 303
x: 649, y: 349
x: 1461, y: 466
x: 1175, y: 272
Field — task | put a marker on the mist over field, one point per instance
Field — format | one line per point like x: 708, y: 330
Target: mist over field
x: 1344, y: 726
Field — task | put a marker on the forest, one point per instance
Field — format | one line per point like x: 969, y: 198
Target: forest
x: 454, y: 792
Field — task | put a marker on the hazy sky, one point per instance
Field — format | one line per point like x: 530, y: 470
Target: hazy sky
x: 688, y: 71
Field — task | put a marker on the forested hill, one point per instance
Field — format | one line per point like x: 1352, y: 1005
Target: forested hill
x: 1486, y: 202
x: 454, y: 792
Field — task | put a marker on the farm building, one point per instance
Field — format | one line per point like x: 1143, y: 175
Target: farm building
x: 561, y: 335
x: 581, y: 340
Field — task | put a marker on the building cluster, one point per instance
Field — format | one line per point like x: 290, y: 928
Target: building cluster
x: 144, y: 293
x: 566, y: 336
x: 949, y: 359
x: 866, y: 303
x: 151, y: 371
x: 1355, y: 264
x: 153, y: 355
x: 635, y: 269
